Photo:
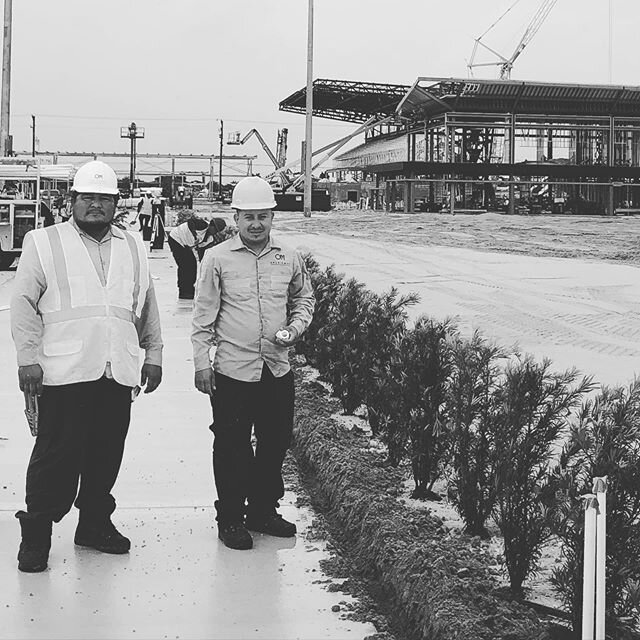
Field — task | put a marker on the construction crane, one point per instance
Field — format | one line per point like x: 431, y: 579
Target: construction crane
x: 506, y: 64
x: 280, y: 159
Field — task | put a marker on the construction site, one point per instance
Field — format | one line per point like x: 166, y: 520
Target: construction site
x: 501, y: 209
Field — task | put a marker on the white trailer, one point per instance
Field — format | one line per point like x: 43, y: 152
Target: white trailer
x: 20, y: 203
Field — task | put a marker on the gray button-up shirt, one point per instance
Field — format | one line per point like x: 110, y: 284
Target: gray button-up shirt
x: 242, y: 299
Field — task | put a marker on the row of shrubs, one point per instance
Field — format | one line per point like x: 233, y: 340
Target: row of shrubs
x: 518, y: 442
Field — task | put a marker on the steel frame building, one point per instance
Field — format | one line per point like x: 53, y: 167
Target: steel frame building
x: 491, y: 144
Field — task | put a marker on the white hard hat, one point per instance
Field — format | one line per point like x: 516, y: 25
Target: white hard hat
x: 95, y: 177
x: 253, y: 193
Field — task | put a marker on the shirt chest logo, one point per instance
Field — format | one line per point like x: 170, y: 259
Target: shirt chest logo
x: 279, y: 259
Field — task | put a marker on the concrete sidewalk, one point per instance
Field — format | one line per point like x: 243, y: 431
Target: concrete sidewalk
x: 179, y: 581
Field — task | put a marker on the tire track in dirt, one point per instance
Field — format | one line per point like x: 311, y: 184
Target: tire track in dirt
x: 577, y: 313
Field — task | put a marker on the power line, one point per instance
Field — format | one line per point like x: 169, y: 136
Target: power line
x: 175, y: 119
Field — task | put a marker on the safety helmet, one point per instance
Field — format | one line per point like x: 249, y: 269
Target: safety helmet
x: 253, y: 193
x: 95, y: 177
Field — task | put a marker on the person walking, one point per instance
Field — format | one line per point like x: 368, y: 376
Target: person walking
x: 183, y: 241
x: 254, y: 300
x: 157, y: 223
x: 145, y: 211
x: 82, y: 307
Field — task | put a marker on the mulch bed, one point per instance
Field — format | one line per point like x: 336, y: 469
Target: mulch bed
x: 434, y: 582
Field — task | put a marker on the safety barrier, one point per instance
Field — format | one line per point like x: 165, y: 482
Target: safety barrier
x: 595, y: 555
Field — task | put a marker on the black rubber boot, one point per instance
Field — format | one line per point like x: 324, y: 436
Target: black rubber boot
x: 235, y: 535
x: 102, y: 536
x: 33, y: 555
x: 273, y: 524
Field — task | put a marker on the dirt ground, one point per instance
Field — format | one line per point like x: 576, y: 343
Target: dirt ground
x: 612, y: 239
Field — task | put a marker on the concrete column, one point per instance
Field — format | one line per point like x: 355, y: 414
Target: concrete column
x: 512, y: 159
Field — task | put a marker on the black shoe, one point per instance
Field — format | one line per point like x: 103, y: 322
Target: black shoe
x: 32, y: 557
x: 235, y: 536
x: 102, y: 537
x: 273, y: 524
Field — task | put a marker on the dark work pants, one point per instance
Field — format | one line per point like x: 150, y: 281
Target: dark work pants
x: 81, y: 435
x: 157, y: 226
x: 145, y: 226
x: 241, y: 473
x: 187, y: 268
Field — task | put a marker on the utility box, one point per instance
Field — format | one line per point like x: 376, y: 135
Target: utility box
x: 294, y: 200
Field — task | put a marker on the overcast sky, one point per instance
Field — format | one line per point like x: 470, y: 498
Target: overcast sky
x: 87, y: 67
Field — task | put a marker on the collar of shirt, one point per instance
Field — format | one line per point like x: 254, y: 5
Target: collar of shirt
x: 236, y: 244
x: 113, y: 232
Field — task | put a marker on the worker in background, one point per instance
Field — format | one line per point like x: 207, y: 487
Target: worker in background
x: 59, y: 204
x: 253, y: 300
x: 83, y: 305
x: 157, y: 223
x: 215, y: 234
x: 183, y: 241
x: 145, y: 211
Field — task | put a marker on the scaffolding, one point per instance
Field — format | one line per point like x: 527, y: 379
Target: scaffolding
x: 521, y: 147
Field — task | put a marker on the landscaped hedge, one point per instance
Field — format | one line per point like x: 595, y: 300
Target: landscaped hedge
x: 493, y: 420
x: 436, y: 579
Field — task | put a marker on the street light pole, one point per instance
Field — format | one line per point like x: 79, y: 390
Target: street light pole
x: 5, y: 99
x: 220, y: 162
x: 33, y: 135
x: 309, y: 113
x: 133, y: 132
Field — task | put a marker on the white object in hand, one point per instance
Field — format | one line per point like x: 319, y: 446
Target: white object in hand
x: 283, y: 334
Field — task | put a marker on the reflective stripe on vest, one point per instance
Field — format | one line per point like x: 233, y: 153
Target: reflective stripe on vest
x: 60, y: 267
x: 93, y: 311
x: 135, y: 256
x: 68, y: 312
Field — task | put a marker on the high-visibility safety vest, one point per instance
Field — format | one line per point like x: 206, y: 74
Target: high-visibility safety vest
x: 86, y: 324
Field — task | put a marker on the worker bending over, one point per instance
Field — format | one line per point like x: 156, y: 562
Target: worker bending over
x: 253, y: 300
x: 187, y: 241
x: 83, y: 305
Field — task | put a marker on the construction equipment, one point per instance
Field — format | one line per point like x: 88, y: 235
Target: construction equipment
x: 279, y: 159
x: 506, y: 64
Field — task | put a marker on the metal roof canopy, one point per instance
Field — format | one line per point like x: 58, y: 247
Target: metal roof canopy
x: 30, y: 171
x: 430, y: 97
x: 347, y: 101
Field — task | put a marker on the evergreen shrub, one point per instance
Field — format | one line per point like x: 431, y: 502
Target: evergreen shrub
x: 605, y: 441
x: 533, y: 407
x: 472, y: 410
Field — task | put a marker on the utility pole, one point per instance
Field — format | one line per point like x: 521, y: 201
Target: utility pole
x: 33, y: 136
x: 133, y: 132
x: 5, y: 98
x: 309, y: 113
x: 220, y: 163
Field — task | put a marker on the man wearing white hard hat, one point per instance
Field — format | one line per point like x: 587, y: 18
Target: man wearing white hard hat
x: 83, y: 306
x: 253, y: 300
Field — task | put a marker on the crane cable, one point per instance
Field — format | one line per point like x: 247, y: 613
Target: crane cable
x: 498, y: 20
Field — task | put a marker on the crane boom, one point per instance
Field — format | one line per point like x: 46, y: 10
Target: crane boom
x: 531, y: 30
x: 506, y: 64
x: 265, y: 146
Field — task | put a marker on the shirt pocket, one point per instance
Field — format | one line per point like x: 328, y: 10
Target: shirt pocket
x: 62, y: 348
x: 133, y: 349
x: 280, y: 285
x: 237, y: 288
